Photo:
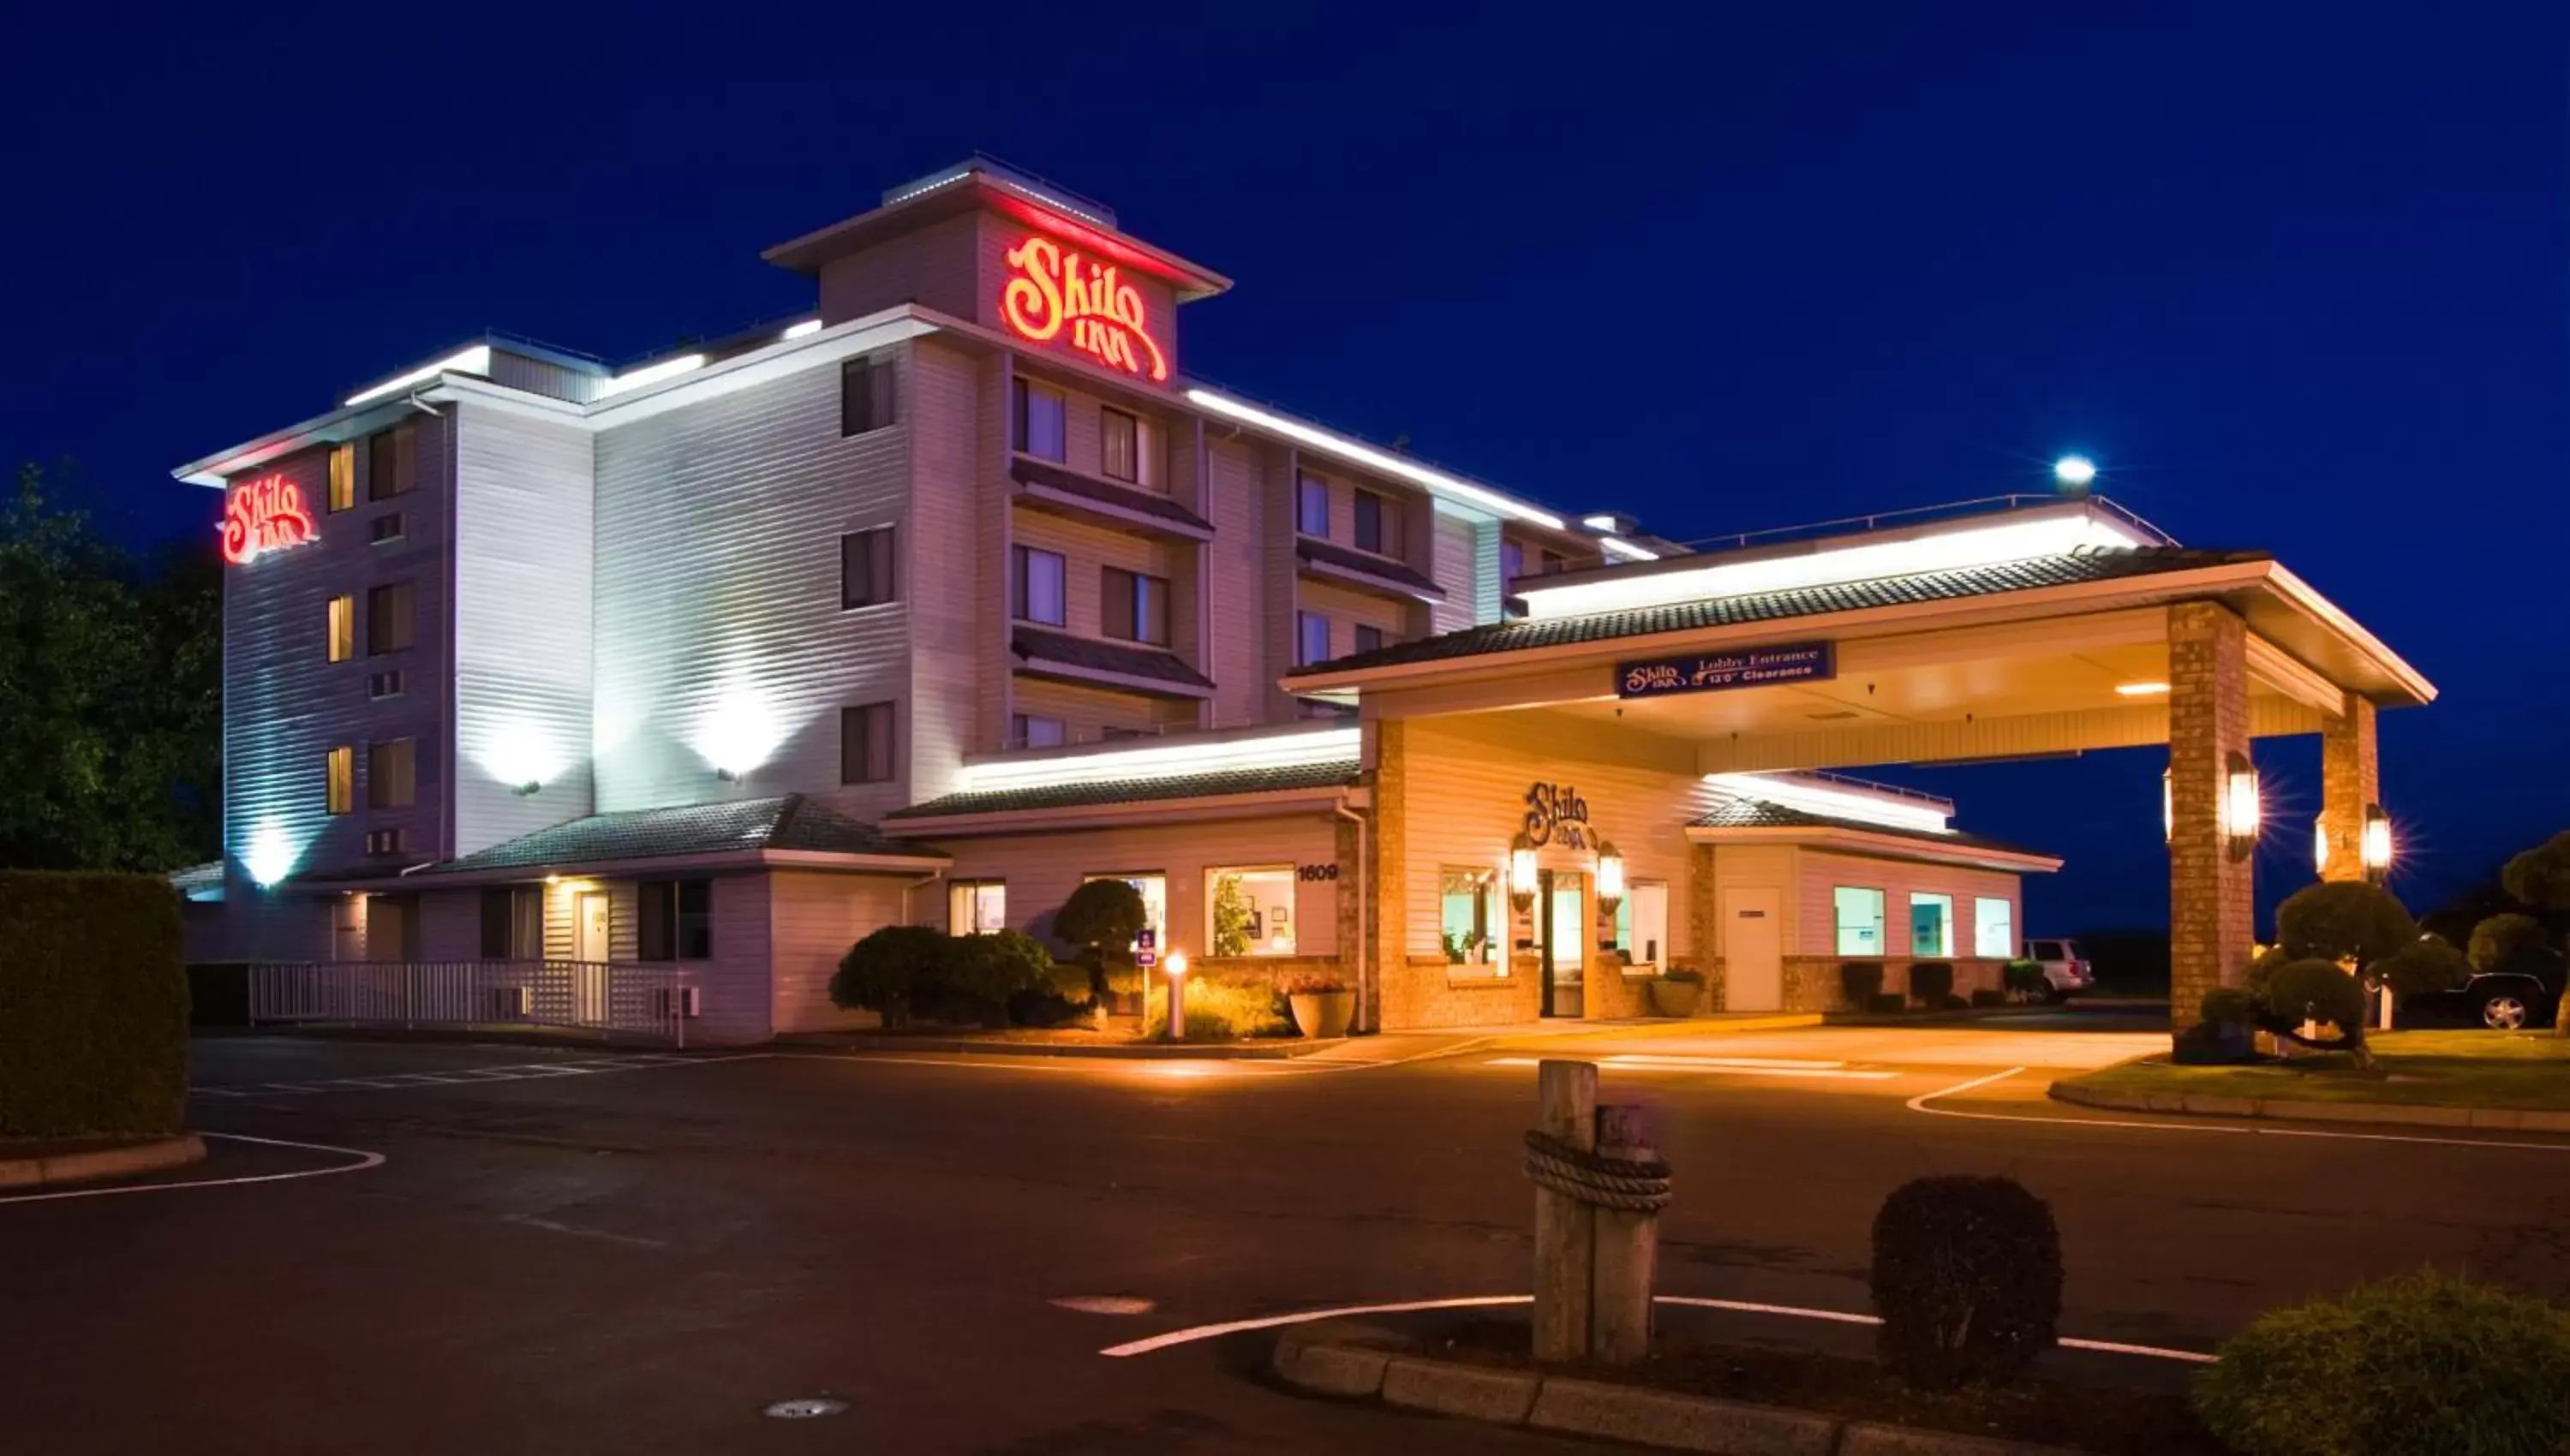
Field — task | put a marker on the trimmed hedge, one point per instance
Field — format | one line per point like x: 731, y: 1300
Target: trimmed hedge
x: 93, y: 1006
x: 1967, y: 1279
x: 1861, y: 981
x: 1931, y: 983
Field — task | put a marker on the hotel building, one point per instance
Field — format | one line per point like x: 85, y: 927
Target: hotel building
x: 930, y: 604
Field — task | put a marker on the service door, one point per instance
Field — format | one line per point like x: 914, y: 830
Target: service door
x: 1753, y: 949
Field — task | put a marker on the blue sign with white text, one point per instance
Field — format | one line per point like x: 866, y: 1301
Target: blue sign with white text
x: 1713, y: 671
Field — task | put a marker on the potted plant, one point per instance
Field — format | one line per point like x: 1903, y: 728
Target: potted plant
x: 1676, y: 991
x: 1322, y: 1006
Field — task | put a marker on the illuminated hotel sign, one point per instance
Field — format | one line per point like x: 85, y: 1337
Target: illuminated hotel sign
x: 264, y: 515
x: 1713, y: 671
x: 1053, y: 293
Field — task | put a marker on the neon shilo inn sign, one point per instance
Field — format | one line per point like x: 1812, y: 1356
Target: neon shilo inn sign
x: 263, y: 516
x: 1052, y: 294
x: 1714, y: 671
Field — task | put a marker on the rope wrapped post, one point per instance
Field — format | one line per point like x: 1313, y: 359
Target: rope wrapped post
x: 1564, y: 1224
x: 1627, y: 1247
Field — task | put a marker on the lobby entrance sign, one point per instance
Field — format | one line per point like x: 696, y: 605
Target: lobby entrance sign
x: 1714, y: 671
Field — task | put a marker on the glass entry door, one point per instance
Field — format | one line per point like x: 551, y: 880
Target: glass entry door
x: 1562, y: 928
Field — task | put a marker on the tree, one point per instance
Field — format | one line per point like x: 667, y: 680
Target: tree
x: 2361, y: 937
x: 2503, y: 938
x: 111, y: 693
x: 1102, y: 919
x: 1230, y: 918
x: 2345, y: 920
x: 2540, y: 881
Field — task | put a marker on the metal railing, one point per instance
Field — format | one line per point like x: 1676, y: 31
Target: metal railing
x: 637, y: 998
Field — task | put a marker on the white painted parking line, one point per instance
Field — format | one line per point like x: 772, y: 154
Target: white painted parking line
x: 1797, y: 1064
x: 1920, y: 1104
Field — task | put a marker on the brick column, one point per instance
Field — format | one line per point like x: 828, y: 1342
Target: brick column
x: 1701, y: 926
x: 2350, y: 780
x: 1387, y: 877
x: 2211, y: 897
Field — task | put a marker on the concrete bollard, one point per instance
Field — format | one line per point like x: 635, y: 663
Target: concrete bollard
x: 1565, y: 1228
x: 1626, y: 1251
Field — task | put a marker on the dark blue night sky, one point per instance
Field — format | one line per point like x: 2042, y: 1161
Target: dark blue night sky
x: 2293, y: 274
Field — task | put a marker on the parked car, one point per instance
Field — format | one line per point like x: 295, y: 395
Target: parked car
x: 2065, y: 971
x: 2522, y: 991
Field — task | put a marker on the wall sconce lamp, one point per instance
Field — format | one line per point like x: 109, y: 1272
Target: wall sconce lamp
x: 1610, y: 875
x: 1521, y: 871
x: 2168, y: 807
x: 2240, y: 805
x: 2377, y: 844
x: 2320, y: 845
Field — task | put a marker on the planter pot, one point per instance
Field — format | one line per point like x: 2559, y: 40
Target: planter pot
x: 1675, y: 997
x: 1323, y: 1014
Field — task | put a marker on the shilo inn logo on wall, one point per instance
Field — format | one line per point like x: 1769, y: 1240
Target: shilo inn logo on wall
x: 1556, y: 815
x: 1052, y: 287
x: 1712, y: 671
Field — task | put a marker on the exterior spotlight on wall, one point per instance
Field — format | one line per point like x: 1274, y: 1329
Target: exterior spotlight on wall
x: 2377, y: 844
x: 1610, y: 875
x: 2320, y: 845
x: 2075, y: 472
x: 2168, y: 807
x: 1521, y: 871
x: 2240, y: 805
x: 1177, y: 969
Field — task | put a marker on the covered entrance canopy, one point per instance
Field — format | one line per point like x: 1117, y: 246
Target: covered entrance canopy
x: 1994, y: 631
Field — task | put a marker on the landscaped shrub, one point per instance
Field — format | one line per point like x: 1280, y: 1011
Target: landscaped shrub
x: 93, y: 1006
x: 1988, y: 997
x: 1222, y: 1010
x: 1967, y: 1279
x: 2425, y: 1364
x: 1100, y: 921
x: 1932, y: 981
x: 2428, y: 963
x: 2315, y: 990
x: 2501, y: 939
x: 1887, y: 1003
x: 894, y: 972
x: 2024, y: 977
x: 2228, y: 1007
x: 1861, y: 981
x: 982, y: 974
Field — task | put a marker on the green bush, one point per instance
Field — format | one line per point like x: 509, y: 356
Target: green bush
x: 2315, y: 990
x: 2228, y: 1007
x: 1887, y: 1003
x: 2503, y: 938
x: 93, y: 1006
x: 1967, y: 1279
x: 1931, y: 983
x: 982, y: 974
x: 2428, y: 963
x: 1222, y: 1010
x: 2025, y: 976
x: 1100, y: 921
x: 1861, y: 981
x: 2425, y: 1364
x: 2343, y: 919
x: 894, y: 970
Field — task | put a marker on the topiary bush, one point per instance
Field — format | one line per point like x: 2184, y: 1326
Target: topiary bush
x: 893, y: 971
x: 1100, y: 921
x: 2315, y: 990
x: 93, y: 1006
x: 1967, y: 1279
x: 2425, y: 1364
x: 982, y: 974
x: 1861, y: 981
x: 2503, y: 938
x: 2428, y: 963
x: 2228, y: 1007
x: 1931, y: 983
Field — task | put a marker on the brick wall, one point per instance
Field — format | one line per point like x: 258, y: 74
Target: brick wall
x: 2211, y: 910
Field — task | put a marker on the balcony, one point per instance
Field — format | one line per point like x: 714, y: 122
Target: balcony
x: 1125, y: 666
x: 1049, y: 487
x: 1366, y: 572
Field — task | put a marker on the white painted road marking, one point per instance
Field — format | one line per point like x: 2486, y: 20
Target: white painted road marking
x: 1486, y: 1301
x: 1920, y: 1104
x: 365, y: 1161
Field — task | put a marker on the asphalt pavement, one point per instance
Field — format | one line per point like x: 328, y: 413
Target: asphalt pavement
x: 494, y: 1248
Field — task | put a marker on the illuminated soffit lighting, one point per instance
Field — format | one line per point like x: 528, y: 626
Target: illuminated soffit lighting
x: 1372, y: 458
x: 1170, y: 760
x: 1834, y: 803
x: 805, y: 329
x: 652, y: 374
x: 474, y: 360
x: 2140, y: 689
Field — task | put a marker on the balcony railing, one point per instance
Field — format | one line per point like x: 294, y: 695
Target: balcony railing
x: 631, y: 998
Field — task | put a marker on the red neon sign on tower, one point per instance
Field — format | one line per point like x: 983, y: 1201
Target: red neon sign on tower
x: 1051, y: 286
x: 264, y: 515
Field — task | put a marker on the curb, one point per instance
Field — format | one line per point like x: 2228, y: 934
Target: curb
x: 116, y: 1161
x: 1608, y: 1411
x: 1122, y: 1052
x: 2201, y: 1104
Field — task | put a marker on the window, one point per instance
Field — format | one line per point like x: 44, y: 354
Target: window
x: 1642, y: 922
x: 865, y: 568
x: 1468, y: 916
x: 339, y: 779
x: 1512, y: 562
x: 384, y: 684
x: 1368, y: 639
x: 513, y: 923
x: 387, y: 841
x: 1860, y: 918
x: 343, y: 477
x: 977, y: 907
x: 1153, y: 886
x: 344, y: 629
x: 1032, y: 730
x: 392, y: 773
x: 1378, y: 524
x: 1311, y: 638
x: 1932, y: 924
x: 391, y: 458
x: 1036, y: 587
x: 1136, y: 608
x: 1994, y: 927
x: 390, y: 627
x: 1120, y: 446
x: 865, y: 395
x: 1312, y: 506
x: 675, y: 920
x: 384, y: 527
x: 1249, y: 911
x: 865, y: 744
x: 1038, y: 420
